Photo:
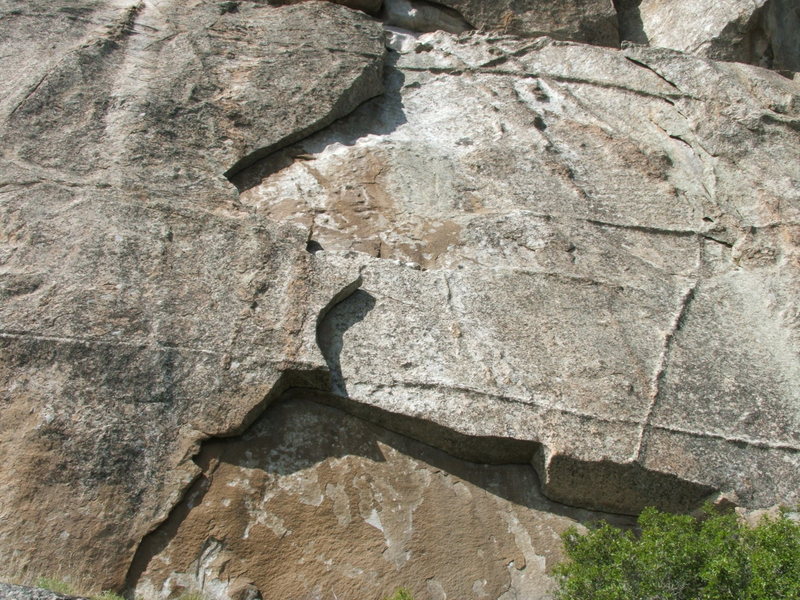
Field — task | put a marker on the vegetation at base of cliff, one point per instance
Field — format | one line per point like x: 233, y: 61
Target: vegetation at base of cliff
x: 679, y: 557
x: 400, y: 594
x: 107, y: 596
x: 55, y: 585
x: 65, y: 588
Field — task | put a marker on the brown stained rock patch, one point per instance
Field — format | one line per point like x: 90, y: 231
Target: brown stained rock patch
x: 352, y: 206
x: 314, y: 503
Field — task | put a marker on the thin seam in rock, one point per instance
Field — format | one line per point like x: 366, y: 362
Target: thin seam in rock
x: 655, y: 385
x: 736, y: 440
x: 559, y: 78
x: 500, y: 397
x: 10, y: 334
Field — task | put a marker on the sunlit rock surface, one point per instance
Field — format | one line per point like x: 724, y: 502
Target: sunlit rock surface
x: 492, y: 277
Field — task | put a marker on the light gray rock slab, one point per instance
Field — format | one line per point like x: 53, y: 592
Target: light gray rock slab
x: 549, y: 231
x: 523, y: 251
x: 763, y: 32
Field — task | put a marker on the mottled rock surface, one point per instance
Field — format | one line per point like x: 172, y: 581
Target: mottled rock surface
x: 559, y: 277
x: 575, y: 263
x: 591, y: 21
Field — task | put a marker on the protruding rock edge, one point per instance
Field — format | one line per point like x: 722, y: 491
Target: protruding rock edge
x: 347, y: 103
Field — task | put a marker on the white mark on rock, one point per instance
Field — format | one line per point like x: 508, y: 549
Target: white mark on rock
x: 374, y: 519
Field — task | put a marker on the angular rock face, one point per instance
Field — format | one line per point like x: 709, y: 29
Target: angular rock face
x: 568, y: 272
x: 763, y: 32
x: 592, y: 21
x: 575, y: 263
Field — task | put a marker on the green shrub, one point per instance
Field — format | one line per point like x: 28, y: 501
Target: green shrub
x: 678, y: 557
x: 400, y: 594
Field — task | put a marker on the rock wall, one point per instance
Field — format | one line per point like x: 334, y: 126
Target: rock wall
x: 763, y: 32
x: 312, y: 502
x: 498, y: 281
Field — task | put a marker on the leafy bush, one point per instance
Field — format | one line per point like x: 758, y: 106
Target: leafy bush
x: 678, y: 557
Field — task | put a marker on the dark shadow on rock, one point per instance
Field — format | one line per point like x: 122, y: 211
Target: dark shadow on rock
x: 572, y: 485
x: 378, y: 116
x: 157, y: 540
x: 331, y: 329
x: 337, y: 442
x: 303, y: 433
x: 631, y: 27
x: 621, y: 488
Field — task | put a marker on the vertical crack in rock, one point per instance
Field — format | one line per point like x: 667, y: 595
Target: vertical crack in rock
x: 663, y: 360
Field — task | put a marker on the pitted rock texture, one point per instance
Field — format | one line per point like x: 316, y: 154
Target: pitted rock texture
x: 313, y: 503
x: 521, y: 251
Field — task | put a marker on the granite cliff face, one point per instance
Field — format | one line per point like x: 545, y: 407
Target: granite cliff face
x: 298, y: 301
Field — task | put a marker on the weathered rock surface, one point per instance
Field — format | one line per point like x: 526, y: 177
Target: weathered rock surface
x: 421, y: 16
x: 314, y: 503
x: 372, y: 7
x: 524, y: 252
x: 141, y: 310
x: 762, y: 32
x: 591, y: 21
x: 585, y: 226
